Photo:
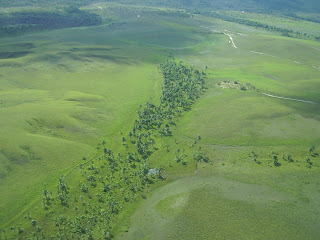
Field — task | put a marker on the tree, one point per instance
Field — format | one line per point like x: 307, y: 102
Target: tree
x: 288, y: 157
x: 33, y: 222
x: 63, y: 191
x: 311, y: 149
x: 309, y: 163
x: 276, y: 161
x: 84, y: 188
x: 20, y: 230
x: 47, y: 198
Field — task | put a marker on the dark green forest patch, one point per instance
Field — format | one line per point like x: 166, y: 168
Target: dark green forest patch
x: 8, y: 55
x: 18, y: 46
x: 21, y: 22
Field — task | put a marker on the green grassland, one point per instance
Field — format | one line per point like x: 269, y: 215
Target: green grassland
x: 218, y: 208
x: 64, y: 91
x: 246, y: 198
x: 64, y: 96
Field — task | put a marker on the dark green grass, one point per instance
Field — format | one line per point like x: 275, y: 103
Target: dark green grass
x: 8, y: 55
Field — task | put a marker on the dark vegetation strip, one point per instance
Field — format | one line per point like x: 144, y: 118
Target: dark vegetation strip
x: 30, y: 21
x: 46, y: 3
x: 305, y: 18
x: 111, y: 181
x: 283, y: 31
x: 18, y: 23
x: 279, y: 6
x: 8, y: 55
x: 307, y: 6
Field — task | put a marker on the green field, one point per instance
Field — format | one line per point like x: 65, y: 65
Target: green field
x: 199, y: 207
x: 234, y: 197
x: 65, y: 95
x: 280, y: 21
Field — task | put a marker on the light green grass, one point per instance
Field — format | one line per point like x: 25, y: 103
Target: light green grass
x: 71, y: 89
x: 59, y: 101
x: 218, y: 208
x: 79, y: 86
x: 233, y: 197
x: 240, y: 118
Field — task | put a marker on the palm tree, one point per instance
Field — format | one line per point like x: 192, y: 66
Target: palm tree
x: 311, y: 149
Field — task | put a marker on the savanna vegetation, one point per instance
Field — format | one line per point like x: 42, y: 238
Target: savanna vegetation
x: 112, y: 179
x: 159, y: 120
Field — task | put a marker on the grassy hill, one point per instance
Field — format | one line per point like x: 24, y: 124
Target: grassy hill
x: 238, y: 162
x: 247, y: 5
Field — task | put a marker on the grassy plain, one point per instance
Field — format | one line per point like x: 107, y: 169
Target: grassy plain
x: 64, y: 91
x: 207, y: 207
x: 236, y: 197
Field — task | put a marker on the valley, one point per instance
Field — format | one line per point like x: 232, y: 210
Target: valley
x: 161, y: 123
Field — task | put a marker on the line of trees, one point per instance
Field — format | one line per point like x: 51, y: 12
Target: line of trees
x: 283, y: 31
x: 109, y: 182
x: 305, y: 18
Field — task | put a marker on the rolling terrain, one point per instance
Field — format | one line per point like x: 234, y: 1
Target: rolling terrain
x: 240, y: 162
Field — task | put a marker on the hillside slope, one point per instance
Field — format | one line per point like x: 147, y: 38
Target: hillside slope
x: 245, y: 5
